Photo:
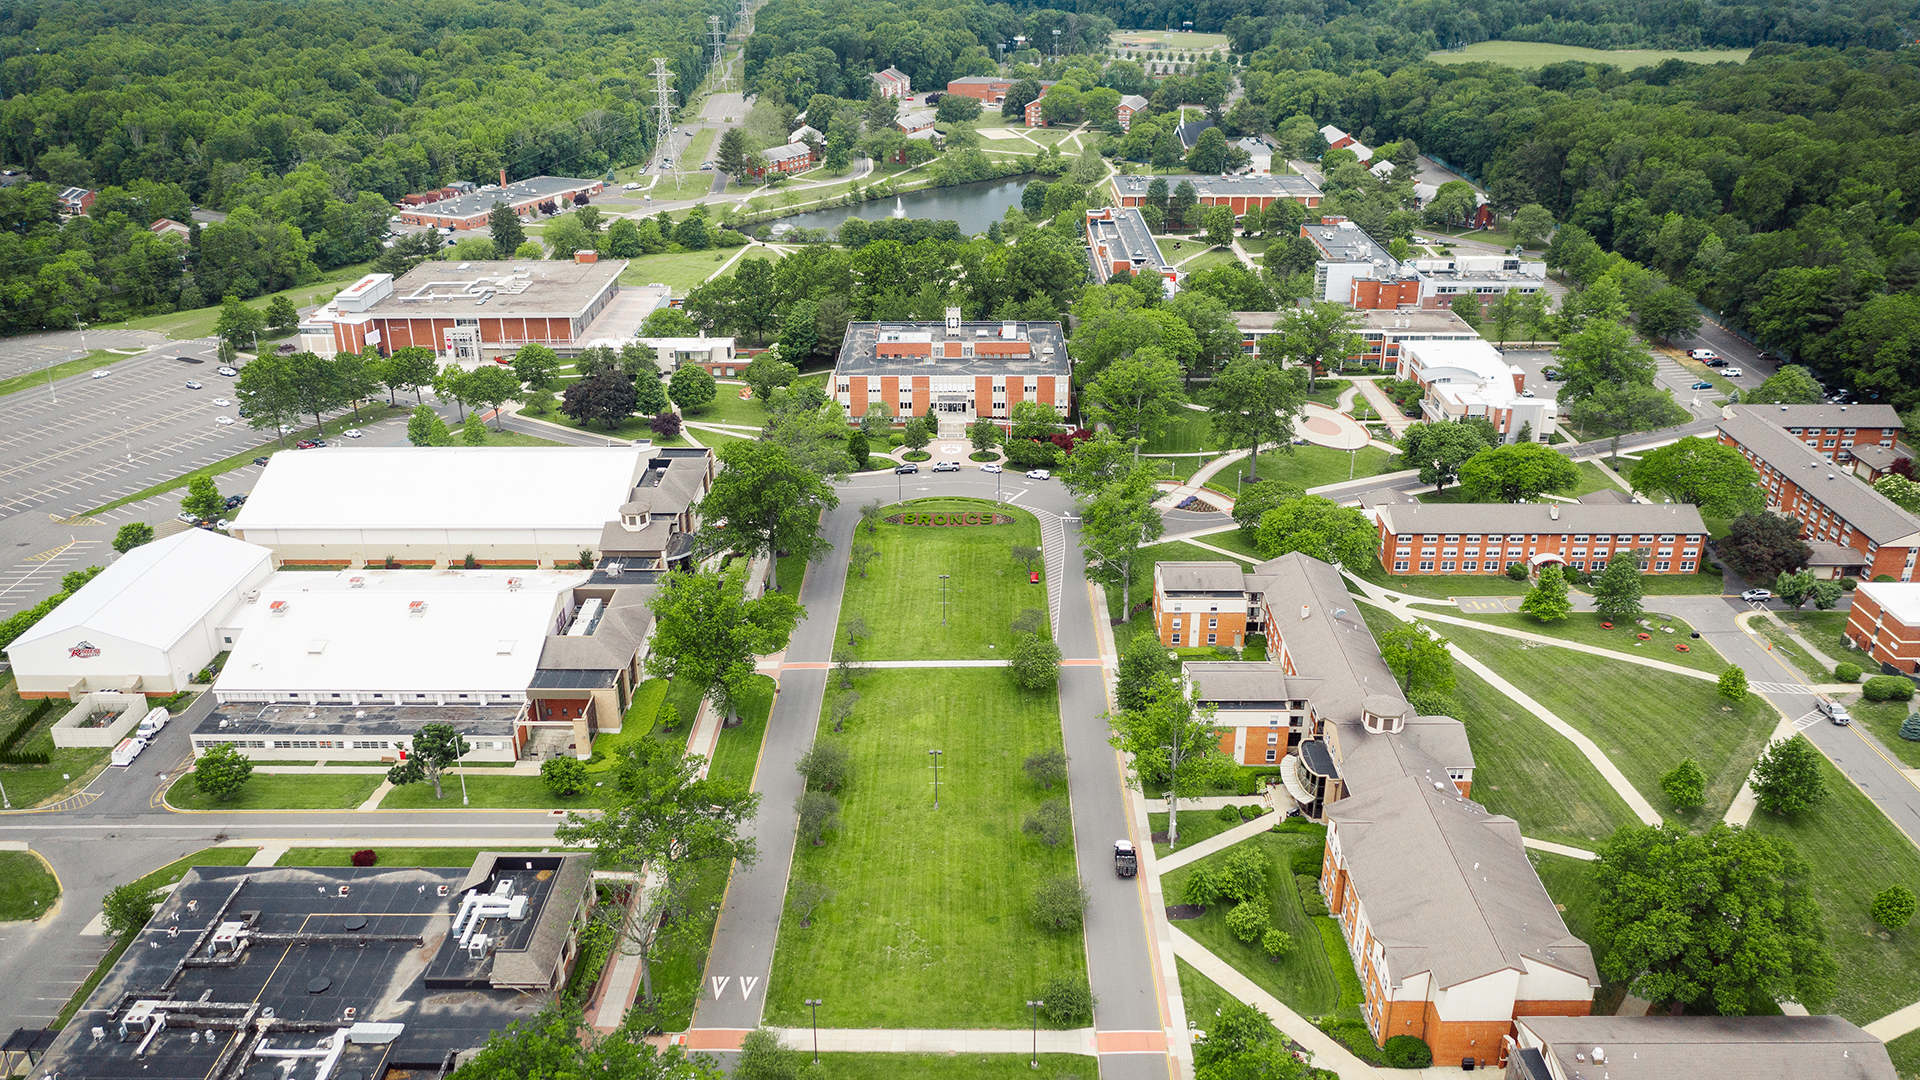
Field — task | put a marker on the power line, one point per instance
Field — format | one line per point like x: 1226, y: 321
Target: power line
x: 722, y: 77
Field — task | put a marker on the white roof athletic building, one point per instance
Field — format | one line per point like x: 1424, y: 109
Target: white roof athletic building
x: 146, y: 624
x: 396, y: 637
x: 433, y: 506
x: 1465, y: 379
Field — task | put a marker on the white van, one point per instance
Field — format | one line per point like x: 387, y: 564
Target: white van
x: 151, y: 725
x: 128, y: 749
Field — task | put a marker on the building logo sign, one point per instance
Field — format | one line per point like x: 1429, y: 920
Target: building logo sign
x: 83, y: 651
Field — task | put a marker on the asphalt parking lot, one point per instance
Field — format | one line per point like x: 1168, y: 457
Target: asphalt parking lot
x: 35, y: 352
x: 1670, y: 375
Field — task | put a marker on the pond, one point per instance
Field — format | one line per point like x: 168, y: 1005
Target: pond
x: 975, y: 206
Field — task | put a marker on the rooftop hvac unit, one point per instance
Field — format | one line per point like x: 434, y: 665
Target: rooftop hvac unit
x: 356, y: 583
x: 417, y: 607
x: 513, y: 584
x: 278, y: 607
x: 253, y: 595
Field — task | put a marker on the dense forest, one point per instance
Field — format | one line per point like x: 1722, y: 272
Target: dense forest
x: 1776, y: 190
x: 801, y: 48
x: 303, y: 120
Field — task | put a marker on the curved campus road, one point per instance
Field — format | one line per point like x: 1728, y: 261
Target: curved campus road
x: 1130, y: 1021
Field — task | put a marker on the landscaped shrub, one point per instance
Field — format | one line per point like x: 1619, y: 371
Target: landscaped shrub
x: 1406, y: 1052
x: 1846, y: 672
x: 1429, y: 702
x: 1888, y: 688
x: 1060, y: 903
x: 1250, y: 811
x: 1307, y: 861
x: 1849, y: 584
x: 1276, y: 942
x: 1201, y: 889
x: 1069, y: 1000
x: 1310, y: 898
x: 566, y: 777
x: 1242, y: 875
x: 365, y: 857
x: 1893, y: 908
x: 897, y: 439
x: 1248, y: 920
x: 1228, y: 813
x: 1517, y: 571
x: 1879, y: 578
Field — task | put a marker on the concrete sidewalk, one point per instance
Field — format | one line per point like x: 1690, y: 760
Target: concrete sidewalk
x: 1173, y: 860
x: 1327, y: 1054
x: 934, y: 1041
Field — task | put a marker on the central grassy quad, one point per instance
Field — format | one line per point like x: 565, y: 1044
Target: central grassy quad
x: 900, y: 598
x: 929, y: 925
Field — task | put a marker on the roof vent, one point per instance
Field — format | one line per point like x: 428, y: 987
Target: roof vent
x: 1303, y: 611
x: 1599, y: 1055
x: 417, y: 607
x: 356, y: 583
x: 513, y: 584
x: 253, y: 596
x: 278, y: 607
x: 359, y: 714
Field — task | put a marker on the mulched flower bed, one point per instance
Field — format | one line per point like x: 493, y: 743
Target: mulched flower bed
x: 1182, y: 912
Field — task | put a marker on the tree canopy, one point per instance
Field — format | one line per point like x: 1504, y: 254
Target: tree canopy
x: 1714, y: 477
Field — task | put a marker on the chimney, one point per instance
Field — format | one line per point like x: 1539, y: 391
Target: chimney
x: 1553, y: 511
x: 503, y: 178
x: 586, y: 255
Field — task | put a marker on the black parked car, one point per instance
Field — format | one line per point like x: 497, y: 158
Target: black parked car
x: 906, y: 467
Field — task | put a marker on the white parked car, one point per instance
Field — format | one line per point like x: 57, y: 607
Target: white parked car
x: 1703, y: 354
x: 991, y: 467
x: 221, y: 403
x: 1731, y: 372
x: 1756, y: 595
x: 101, y: 373
x: 352, y: 433
x: 1040, y: 474
x: 629, y: 187
x: 228, y: 372
x: 223, y: 421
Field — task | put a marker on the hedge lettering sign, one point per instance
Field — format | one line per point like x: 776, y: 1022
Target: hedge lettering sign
x: 944, y: 518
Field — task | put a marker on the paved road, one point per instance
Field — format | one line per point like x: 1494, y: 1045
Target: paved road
x: 1118, y: 953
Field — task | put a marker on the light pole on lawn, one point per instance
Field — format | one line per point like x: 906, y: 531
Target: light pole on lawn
x: 814, y: 1004
x: 935, y: 754
x: 460, y: 764
x: 943, y: 598
x: 4, y: 801
x: 1035, y: 1006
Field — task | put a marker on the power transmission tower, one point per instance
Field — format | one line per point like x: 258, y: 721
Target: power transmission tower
x: 722, y: 77
x: 746, y: 18
x: 663, y: 125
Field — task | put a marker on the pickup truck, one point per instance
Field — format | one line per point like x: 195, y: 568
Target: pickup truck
x: 1125, y: 862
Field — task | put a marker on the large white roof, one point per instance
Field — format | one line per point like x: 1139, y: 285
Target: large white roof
x: 1899, y: 599
x: 442, y: 487
x: 479, y: 630
x: 156, y: 592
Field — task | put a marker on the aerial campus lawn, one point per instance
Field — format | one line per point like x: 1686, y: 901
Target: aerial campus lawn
x: 1535, y: 54
x: 27, y: 888
x: 1201, y: 996
x: 1308, y: 979
x: 1645, y: 721
x: 1308, y: 466
x: 1583, y: 627
x: 900, y: 597
x: 288, y: 791
x: 1883, y: 719
x: 1826, y: 631
x: 31, y: 785
x: 1187, y: 431
x: 930, y: 926
x: 1523, y: 768
x: 682, y: 270
x: 860, y: 1066
x: 1855, y: 852
x: 493, y: 792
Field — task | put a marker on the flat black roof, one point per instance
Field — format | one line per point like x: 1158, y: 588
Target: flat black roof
x: 323, y: 941
x: 251, y: 719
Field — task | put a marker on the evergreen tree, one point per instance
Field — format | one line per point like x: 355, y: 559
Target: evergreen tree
x: 1548, y: 600
x: 1617, y: 590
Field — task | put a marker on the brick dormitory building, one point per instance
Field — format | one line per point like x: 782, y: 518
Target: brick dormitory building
x: 1483, y: 538
x: 1800, y: 454
x: 1449, y: 928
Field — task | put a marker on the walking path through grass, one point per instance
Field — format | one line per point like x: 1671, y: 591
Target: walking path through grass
x: 1327, y: 1054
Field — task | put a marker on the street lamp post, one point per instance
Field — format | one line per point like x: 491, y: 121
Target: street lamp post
x: 1035, y: 1006
x: 943, y: 598
x: 814, y: 1004
x: 4, y: 801
x: 935, y: 754
x: 460, y: 763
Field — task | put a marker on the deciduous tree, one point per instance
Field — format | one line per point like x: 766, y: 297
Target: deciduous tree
x: 1255, y: 402
x: 1685, y: 785
x: 1516, y: 472
x: 1173, y: 742
x: 221, y: 771
x: 203, y: 499
x: 1135, y: 395
x: 691, y: 387
x: 536, y: 365
x: 434, y: 749
x: 1761, y: 545
x: 132, y: 535
x: 1548, y: 600
x: 607, y: 397
x: 1787, y: 779
x: 1319, y: 528
x: 1791, y: 385
x: 1623, y: 408
x: 1116, y: 521
x: 1716, y: 478
x: 1617, y: 590
x: 1417, y: 659
x: 707, y: 633
x: 1720, y: 919
x: 1438, y: 449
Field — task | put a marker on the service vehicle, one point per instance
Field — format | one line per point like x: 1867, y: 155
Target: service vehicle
x: 128, y: 749
x: 151, y: 724
x: 1126, y: 862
